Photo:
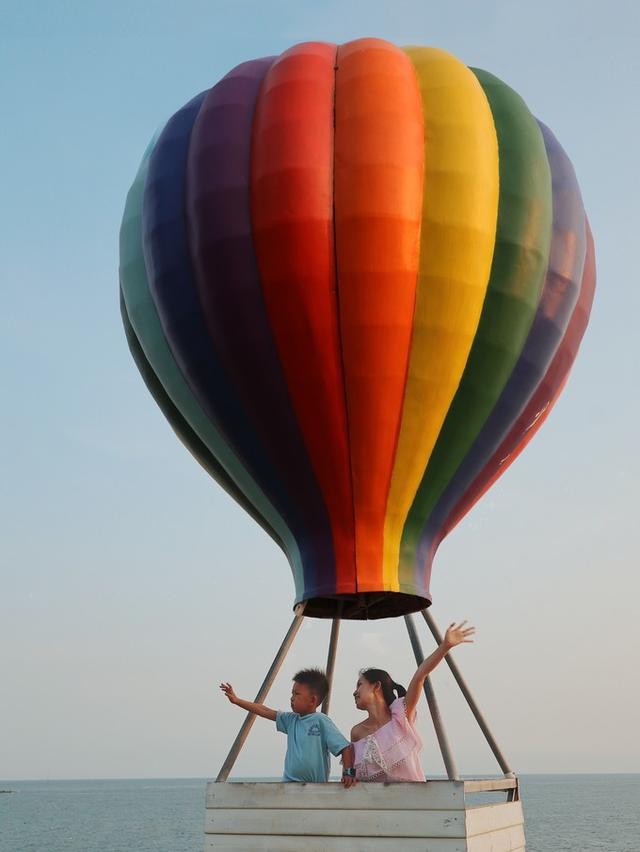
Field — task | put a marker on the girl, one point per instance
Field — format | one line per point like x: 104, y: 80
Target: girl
x: 387, y: 745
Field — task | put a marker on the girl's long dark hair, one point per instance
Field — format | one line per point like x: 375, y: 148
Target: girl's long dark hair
x: 390, y: 689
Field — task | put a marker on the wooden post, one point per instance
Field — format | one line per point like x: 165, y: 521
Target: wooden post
x: 227, y: 766
x: 331, y: 657
x: 443, y: 742
x: 455, y: 671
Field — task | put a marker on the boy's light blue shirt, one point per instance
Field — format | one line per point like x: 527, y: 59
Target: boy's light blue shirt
x: 309, y: 740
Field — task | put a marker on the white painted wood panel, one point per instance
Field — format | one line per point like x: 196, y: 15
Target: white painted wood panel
x: 431, y: 817
x: 436, y: 795
x: 352, y: 823
x: 485, y: 785
x: 505, y: 840
x: 484, y: 818
x: 283, y: 843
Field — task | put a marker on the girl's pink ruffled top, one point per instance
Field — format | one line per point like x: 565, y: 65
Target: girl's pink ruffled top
x: 392, y: 752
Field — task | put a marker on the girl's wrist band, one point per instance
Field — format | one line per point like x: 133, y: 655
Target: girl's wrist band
x: 350, y: 772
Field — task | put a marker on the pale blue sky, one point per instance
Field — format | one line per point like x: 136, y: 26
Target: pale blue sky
x: 125, y: 573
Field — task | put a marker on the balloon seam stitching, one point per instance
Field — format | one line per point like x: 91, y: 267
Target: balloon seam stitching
x: 338, y: 316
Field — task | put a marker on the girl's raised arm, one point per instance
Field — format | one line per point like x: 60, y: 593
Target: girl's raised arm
x: 455, y: 635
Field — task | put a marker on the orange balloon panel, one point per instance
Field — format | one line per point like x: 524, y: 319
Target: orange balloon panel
x: 379, y: 163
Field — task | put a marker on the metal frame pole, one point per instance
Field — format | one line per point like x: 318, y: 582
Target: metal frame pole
x: 243, y: 733
x: 484, y: 727
x: 443, y: 741
x: 331, y: 656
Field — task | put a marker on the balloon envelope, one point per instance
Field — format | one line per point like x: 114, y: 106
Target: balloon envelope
x: 355, y: 278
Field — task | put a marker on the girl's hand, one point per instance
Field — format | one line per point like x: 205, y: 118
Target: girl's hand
x: 457, y: 634
x: 228, y: 691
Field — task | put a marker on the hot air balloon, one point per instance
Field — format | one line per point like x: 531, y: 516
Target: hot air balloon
x: 354, y: 278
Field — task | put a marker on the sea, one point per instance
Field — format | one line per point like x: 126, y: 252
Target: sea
x: 563, y: 813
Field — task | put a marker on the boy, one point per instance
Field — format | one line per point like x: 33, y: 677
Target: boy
x: 310, y: 734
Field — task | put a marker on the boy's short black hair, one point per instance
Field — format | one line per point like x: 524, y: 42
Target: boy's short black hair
x: 316, y: 680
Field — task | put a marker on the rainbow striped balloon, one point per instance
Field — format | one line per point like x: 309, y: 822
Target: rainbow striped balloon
x: 355, y: 278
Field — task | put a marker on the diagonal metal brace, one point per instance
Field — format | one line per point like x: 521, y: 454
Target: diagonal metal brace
x: 443, y: 741
x: 227, y: 766
x: 455, y: 671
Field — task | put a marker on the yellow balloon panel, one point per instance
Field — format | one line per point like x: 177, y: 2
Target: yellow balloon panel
x: 459, y: 214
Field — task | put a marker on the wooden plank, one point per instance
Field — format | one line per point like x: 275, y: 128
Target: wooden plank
x: 484, y: 818
x: 352, y: 823
x: 486, y: 785
x: 282, y: 843
x: 506, y: 840
x: 434, y: 795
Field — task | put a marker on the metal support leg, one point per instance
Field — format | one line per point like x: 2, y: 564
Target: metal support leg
x: 227, y: 766
x: 445, y: 748
x: 455, y: 671
x: 331, y: 657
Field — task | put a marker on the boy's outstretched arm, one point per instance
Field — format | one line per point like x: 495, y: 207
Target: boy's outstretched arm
x: 250, y: 706
x: 455, y: 635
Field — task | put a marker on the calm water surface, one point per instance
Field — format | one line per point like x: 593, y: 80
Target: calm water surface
x: 563, y: 813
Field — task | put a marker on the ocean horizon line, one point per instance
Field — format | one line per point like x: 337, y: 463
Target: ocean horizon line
x: 276, y: 778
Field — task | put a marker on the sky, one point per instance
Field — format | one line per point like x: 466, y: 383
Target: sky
x: 130, y: 584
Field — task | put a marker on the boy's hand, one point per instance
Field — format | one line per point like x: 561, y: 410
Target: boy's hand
x: 349, y: 781
x: 249, y: 706
x: 457, y: 634
x: 348, y: 772
x: 228, y: 691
